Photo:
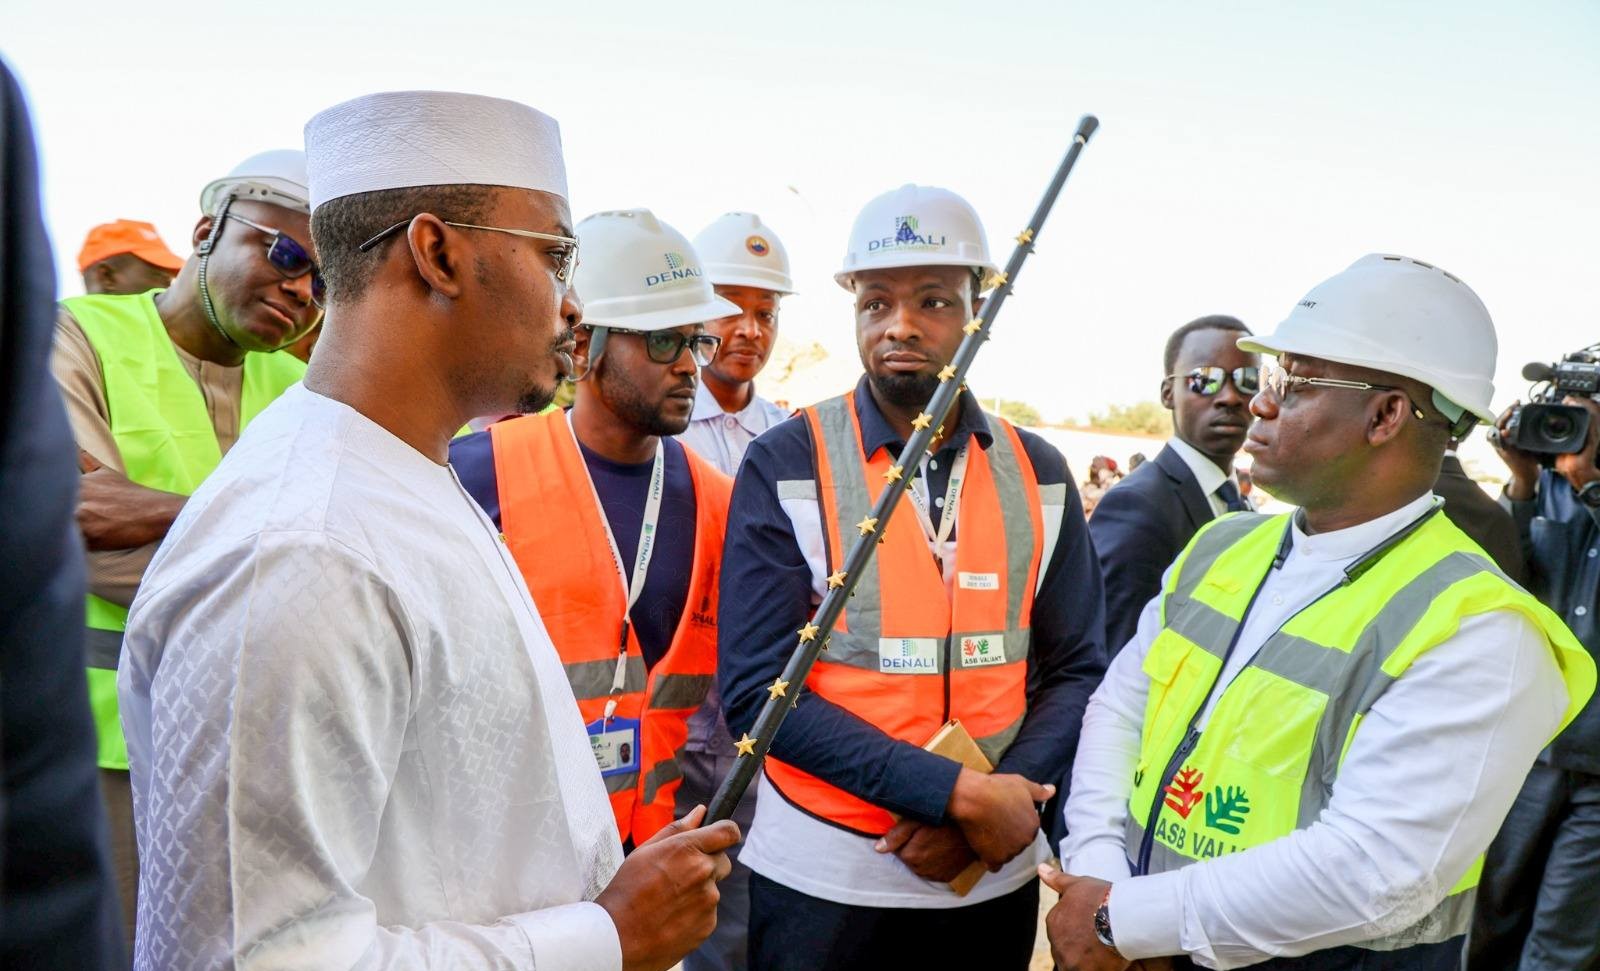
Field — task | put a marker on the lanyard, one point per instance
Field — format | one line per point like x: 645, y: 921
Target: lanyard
x: 952, y: 501
x: 641, y: 564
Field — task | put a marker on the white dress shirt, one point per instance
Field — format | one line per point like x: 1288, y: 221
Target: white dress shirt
x: 1206, y: 473
x: 1425, y: 786
x: 720, y: 437
x: 352, y: 742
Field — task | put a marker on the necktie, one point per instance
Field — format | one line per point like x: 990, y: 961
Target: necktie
x: 1229, y: 494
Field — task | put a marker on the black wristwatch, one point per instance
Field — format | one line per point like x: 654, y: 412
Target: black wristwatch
x: 1589, y: 495
x: 1102, y: 922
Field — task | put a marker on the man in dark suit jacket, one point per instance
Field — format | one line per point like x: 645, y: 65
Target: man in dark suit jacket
x: 1145, y: 521
x: 58, y: 906
x: 1480, y: 517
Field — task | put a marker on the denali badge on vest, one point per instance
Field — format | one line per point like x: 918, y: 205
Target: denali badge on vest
x: 978, y: 581
x: 982, y: 650
x: 615, y: 744
x: 908, y: 655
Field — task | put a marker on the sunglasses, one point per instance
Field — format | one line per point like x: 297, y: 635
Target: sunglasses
x: 566, y: 260
x: 1209, y: 380
x: 1280, y: 382
x: 288, y: 257
x: 666, y: 346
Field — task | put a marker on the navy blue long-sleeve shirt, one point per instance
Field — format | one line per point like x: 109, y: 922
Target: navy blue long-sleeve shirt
x: 1561, y: 538
x: 767, y: 596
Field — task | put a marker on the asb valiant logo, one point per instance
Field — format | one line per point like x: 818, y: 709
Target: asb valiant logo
x: 983, y: 650
x: 1225, y: 812
x: 678, y: 268
x: 908, y: 234
x: 757, y: 246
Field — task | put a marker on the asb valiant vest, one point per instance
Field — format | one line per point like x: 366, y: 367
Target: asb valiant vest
x: 904, y: 656
x: 165, y: 438
x: 557, y: 534
x: 1271, y: 751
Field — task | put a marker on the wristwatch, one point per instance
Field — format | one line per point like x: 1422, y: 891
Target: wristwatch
x: 1589, y: 495
x: 1102, y: 922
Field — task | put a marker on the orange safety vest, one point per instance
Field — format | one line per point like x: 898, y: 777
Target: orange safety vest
x: 557, y: 535
x: 904, y: 655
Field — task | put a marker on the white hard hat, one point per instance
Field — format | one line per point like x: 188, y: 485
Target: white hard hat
x: 740, y: 250
x: 639, y: 273
x: 277, y: 177
x: 1402, y: 316
x: 916, y: 225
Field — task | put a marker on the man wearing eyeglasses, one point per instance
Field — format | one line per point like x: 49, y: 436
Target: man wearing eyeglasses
x: 158, y: 385
x: 1140, y: 526
x: 1302, y: 755
x: 635, y: 518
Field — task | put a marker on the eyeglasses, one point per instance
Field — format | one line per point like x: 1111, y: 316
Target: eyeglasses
x: 666, y: 346
x: 1208, y: 380
x: 1279, y: 382
x: 565, y: 268
x: 288, y: 257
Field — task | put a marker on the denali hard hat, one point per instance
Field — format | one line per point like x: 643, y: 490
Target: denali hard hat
x: 277, y: 177
x: 1402, y: 316
x: 740, y: 250
x: 916, y: 225
x: 641, y: 274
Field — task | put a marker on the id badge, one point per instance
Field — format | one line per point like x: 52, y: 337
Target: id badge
x: 615, y: 743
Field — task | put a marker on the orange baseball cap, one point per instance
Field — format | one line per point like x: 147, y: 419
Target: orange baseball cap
x: 127, y: 236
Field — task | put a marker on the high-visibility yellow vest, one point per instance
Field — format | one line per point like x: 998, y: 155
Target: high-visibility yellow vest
x: 166, y: 440
x: 1271, y: 751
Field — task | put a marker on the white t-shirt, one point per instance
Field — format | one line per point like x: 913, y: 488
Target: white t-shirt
x: 352, y: 742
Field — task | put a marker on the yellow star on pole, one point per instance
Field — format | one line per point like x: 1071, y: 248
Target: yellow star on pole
x: 894, y: 473
x: 836, y: 580
x: 808, y: 633
x: 973, y: 326
x: 922, y: 421
x: 746, y: 745
x: 778, y: 688
x: 867, y: 524
x: 1025, y: 237
x: 948, y: 372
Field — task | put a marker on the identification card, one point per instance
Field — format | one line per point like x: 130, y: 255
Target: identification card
x: 615, y: 744
x: 978, y: 581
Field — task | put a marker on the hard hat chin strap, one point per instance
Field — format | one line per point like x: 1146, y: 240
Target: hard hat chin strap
x: 597, y: 347
x: 204, y: 251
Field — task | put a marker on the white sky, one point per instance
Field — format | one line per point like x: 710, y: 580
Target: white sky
x: 1246, y: 150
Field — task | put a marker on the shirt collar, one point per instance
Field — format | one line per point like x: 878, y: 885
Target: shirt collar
x: 876, y: 432
x: 751, y: 418
x: 1205, y: 471
x: 1352, y: 541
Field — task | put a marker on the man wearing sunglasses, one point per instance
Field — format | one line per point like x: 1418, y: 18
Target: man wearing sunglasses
x: 1302, y: 755
x: 983, y: 604
x: 637, y: 517
x: 1140, y: 526
x: 158, y: 386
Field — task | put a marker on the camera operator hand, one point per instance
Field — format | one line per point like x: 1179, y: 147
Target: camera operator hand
x: 1524, y: 466
x: 1579, y: 467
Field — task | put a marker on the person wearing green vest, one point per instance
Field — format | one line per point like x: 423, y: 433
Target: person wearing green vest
x: 1301, y: 756
x: 158, y: 386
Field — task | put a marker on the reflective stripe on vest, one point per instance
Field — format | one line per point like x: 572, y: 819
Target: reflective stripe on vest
x: 909, y: 653
x: 1270, y: 754
x: 538, y: 468
x: 166, y: 441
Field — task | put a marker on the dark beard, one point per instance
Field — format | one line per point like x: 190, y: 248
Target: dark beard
x: 905, y: 390
x: 629, y: 403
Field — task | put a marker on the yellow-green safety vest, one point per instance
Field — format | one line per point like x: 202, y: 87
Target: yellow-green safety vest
x: 166, y: 440
x: 1270, y: 754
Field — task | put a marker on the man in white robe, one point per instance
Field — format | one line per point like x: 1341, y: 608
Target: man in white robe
x: 352, y: 742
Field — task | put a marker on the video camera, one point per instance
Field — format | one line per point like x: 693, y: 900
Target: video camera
x: 1544, y: 425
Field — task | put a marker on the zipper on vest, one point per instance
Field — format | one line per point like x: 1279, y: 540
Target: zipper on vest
x: 1147, y: 843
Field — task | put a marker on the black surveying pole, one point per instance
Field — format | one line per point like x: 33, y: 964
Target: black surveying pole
x: 813, y: 637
